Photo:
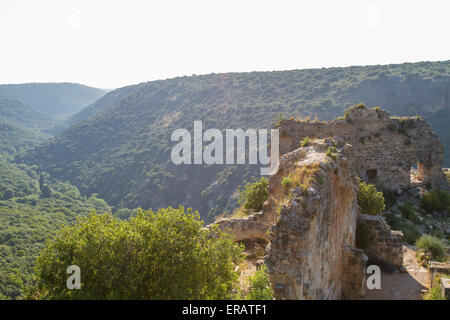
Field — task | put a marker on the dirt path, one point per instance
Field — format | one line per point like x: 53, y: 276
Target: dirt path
x: 402, y: 286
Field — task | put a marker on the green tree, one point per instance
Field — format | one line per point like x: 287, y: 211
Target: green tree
x: 254, y: 195
x: 41, y: 181
x: 46, y: 191
x: 162, y: 255
x: 432, y: 245
x: 370, y: 200
x: 260, y: 288
x: 8, y: 194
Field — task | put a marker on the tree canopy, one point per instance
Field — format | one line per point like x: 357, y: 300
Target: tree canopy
x: 154, y: 255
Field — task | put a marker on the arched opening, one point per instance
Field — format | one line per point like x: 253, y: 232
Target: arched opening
x: 254, y: 248
x: 419, y: 174
x: 371, y: 175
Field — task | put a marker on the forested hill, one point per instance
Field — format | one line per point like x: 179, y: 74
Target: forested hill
x: 56, y: 99
x: 123, y: 152
x: 15, y: 112
x: 108, y: 99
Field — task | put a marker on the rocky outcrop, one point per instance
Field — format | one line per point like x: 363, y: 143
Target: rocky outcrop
x: 385, y: 148
x: 311, y: 252
x: 309, y: 221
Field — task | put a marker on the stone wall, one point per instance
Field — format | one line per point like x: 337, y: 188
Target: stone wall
x: 385, y: 244
x: 311, y: 252
x: 310, y: 227
x: 385, y: 148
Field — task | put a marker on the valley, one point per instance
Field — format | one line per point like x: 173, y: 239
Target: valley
x: 68, y: 149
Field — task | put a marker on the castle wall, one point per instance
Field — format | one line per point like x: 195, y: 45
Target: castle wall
x: 384, y: 147
x: 311, y: 253
x: 385, y: 244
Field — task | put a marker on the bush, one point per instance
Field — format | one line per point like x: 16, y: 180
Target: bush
x: 435, y: 293
x: 331, y: 152
x: 254, y: 195
x: 286, y: 184
x: 162, y: 255
x: 370, y: 200
x: 410, y: 233
x: 409, y: 212
x: 260, y: 288
x: 305, y: 142
x: 436, y: 200
x: 431, y: 245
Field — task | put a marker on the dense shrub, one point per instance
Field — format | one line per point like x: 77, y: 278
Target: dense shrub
x: 254, y: 195
x: 435, y: 293
x: 409, y: 212
x: 436, y: 200
x: 370, y: 200
x: 331, y: 152
x: 162, y: 255
x: 260, y: 288
x: 286, y: 184
x: 305, y: 142
x: 431, y: 245
x: 410, y: 233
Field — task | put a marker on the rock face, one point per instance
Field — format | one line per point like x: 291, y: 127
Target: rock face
x: 385, y: 148
x: 311, y: 253
x: 310, y: 224
x: 310, y: 217
x: 385, y: 244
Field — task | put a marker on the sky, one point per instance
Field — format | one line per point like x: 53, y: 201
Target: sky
x: 109, y: 44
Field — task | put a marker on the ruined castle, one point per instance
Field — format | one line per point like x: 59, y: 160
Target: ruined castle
x: 385, y: 148
x: 310, y: 227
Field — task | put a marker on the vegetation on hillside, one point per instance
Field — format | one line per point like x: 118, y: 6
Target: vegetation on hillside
x: 56, y: 99
x: 436, y: 200
x: 28, y: 216
x: 15, y: 139
x: 16, y: 113
x: 123, y: 152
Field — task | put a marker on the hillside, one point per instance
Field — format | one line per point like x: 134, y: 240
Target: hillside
x: 56, y: 99
x: 14, y: 138
x: 16, y: 112
x: 88, y: 112
x: 123, y: 152
x: 28, y: 218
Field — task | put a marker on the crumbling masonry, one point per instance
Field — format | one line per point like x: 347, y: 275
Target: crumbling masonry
x: 310, y: 226
x: 385, y: 148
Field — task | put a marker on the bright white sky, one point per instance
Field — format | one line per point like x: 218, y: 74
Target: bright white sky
x: 106, y: 43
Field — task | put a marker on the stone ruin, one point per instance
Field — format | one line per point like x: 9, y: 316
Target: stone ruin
x: 385, y: 149
x: 310, y: 228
